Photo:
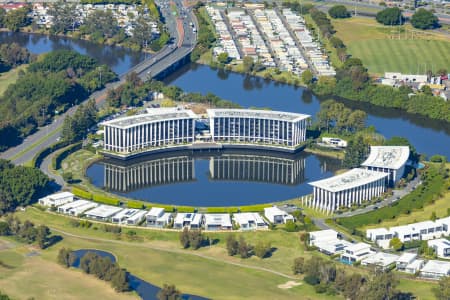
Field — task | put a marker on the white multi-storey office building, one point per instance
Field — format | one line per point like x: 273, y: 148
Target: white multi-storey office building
x: 352, y: 187
x: 388, y: 159
x: 157, y: 128
x: 272, y: 128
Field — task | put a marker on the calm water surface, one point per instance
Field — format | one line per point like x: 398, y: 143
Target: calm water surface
x: 429, y: 137
x: 213, y: 179
x: 117, y: 58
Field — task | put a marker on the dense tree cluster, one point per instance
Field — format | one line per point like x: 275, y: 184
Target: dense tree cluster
x: 326, y: 278
x: 12, y: 55
x: 15, y: 18
x: 298, y: 6
x: 133, y: 92
x: 66, y: 257
x: 355, y: 153
x: 339, y: 12
x: 20, y: 186
x: 322, y: 21
x: 390, y: 16
x: 76, y: 128
x: 205, y: 35
x: 424, y: 19
x: 26, y: 232
x: 169, y: 292
x: 442, y: 292
x: 52, y: 84
x: 103, y: 268
x: 335, y: 117
x: 192, y: 238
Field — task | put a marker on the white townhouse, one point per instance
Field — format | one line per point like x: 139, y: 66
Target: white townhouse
x: 277, y: 216
x: 381, y: 260
x: 250, y: 221
x: 103, y: 212
x: 137, y: 218
x: 65, y: 208
x: 153, y: 215
x: 327, y: 241
x: 441, y: 247
x: 189, y: 220
x: 218, y: 222
x: 435, y: 269
x: 380, y: 236
x: 122, y: 216
x: 57, y: 199
x: 356, y: 252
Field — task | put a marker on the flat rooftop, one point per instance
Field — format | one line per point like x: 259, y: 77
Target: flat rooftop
x: 254, y: 113
x: 351, y: 179
x: 152, y: 115
x: 391, y: 157
x: 104, y: 211
x: 437, y: 267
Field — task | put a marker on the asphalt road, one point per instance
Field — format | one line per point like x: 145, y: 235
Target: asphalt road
x: 49, y: 134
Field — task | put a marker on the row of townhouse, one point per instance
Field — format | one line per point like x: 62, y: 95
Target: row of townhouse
x: 66, y: 203
x: 314, y: 52
x: 426, y: 230
x: 225, y: 39
x: 284, y: 48
x: 329, y: 242
x: 248, y: 37
x: 126, y: 15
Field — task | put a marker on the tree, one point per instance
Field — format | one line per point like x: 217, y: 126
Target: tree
x: 380, y: 286
x: 390, y: 16
x: 17, y: 18
x: 307, y: 77
x: 442, y: 292
x: 223, y: 58
x: 355, y: 153
x: 339, y: 12
x: 119, y: 280
x: 101, y: 24
x: 195, y: 239
x: 244, y: 248
x: 396, y: 244
x: 232, y: 245
x: 4, y: 229
x: 248, y: 64
x: 424, y: 19
x: 433, y: 216
x: 13, y: 55
x: 262, y: 249
x: 184, y: 238
x: 65, y: 257
x: 169, y: 292
x: 43, y: 233
x: 299, y: 265
x: 64, y: 20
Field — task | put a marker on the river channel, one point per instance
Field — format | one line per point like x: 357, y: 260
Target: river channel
x: 429, y: 137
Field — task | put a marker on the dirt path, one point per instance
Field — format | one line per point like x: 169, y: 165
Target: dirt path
x: 178, y: 251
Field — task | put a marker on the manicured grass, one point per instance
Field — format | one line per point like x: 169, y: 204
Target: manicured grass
x: 9, y: 77
x: 439, y: 207
x: 422, y: 290
x: 393, y: 49
x: 41, y: 278
x: 428, y: 192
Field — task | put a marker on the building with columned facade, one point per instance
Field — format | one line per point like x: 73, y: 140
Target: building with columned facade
x: 156, y: 128
x: 388, y: 159
x: 248, y: 126
x: 347, y: 189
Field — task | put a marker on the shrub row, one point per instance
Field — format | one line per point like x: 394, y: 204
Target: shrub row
x: 215, y: 210
x: 105, y: 199
x: 81, y: 193
x: 253, y: 208
x: 135, y: 204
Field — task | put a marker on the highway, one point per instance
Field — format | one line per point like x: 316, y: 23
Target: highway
x: 48, y: 135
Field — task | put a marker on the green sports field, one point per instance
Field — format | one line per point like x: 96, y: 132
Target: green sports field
x: 386, y: 49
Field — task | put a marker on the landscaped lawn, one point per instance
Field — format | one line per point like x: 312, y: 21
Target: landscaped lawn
x: 9, y: 77
x: 388, y: 49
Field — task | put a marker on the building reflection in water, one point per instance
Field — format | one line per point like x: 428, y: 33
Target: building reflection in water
x: 266, y: 167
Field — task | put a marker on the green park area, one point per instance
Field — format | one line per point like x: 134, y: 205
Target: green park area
x: 9, y: 77
x: 393, y: 48
x: 156, y: 256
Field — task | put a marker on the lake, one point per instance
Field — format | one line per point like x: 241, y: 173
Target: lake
x: 201, y: 179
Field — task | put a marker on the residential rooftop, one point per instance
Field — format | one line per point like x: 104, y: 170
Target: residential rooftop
x: 391, y: 157
x: 152, y: 115
x: 254, y: 113
x: 104, y: 211
x: 351, y: 179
